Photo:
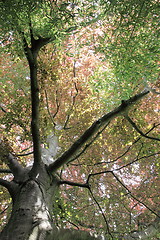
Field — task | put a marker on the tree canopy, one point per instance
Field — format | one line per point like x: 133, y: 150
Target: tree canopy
x: 80, y: 94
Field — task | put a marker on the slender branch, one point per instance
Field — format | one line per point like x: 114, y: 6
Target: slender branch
x: 72, y: 224
x: 103, y: 215
x: 71, y: 109
x: 123, y: 154
x: 83, y: 185
x: 24, y: 154
x: 58, y: 105
x: 95, y: 174
x: 24, y: 150
x: 49, y: 113
x: 136, y: 160
x: 66, y: 122
x: 130, y: 193
x: 2, y: 212
x: 123, y: 185
x: 2, y: 108
x: 138, y: 130
x: 91, y: 131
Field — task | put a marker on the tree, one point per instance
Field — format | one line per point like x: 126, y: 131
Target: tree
x: 34, y: 189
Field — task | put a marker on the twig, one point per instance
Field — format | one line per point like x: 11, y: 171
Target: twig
x: 5, y: 209
x: 57, y: 104
x: 138, y: 130
x: 49, y: 113
x: 136, y: 160
x: 71, y: 109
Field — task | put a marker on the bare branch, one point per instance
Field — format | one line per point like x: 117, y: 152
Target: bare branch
x: 71, y: 109
x: 130, y: 193
x: 9, y: 158
x: 138, y: 130
x: 136, y: 160
x: 91, y: 131
x: 2, y: 212
x: 128, y: 149
x: 83, y: 185
x: 2, y: 108
x: 10, y: 186
x: 120, y: 156
x: 49, y: 113
x: 124, y: 186
x: 24, y: 154
x: 103, y: 215
x: 57, y: 104
x: 14, y: 165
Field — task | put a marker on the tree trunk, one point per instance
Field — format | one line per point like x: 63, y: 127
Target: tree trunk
x: 31, y: 213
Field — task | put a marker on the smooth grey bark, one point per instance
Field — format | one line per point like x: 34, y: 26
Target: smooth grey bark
x: 32, y: 209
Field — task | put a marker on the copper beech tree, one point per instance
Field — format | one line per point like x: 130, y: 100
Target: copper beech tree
x: 93, y: 170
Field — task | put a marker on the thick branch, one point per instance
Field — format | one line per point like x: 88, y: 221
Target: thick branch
x: 89, y: 133
x: 10, y: 186
x: 89, y: 144
x: 138, y: 130
x: 31, y: 55
x: 14, y: 165
x: 10, y: 160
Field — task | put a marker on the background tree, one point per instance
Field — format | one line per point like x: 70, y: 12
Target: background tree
x: 95, y: 175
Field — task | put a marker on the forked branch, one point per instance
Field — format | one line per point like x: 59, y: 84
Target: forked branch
x: 95, y: 127
x: 138, y: 130
x: 123, y: 185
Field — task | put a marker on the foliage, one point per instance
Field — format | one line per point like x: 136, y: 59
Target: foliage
x: 99, y: 54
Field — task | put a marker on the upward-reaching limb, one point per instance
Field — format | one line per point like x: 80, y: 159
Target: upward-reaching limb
x: 95, y: 127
